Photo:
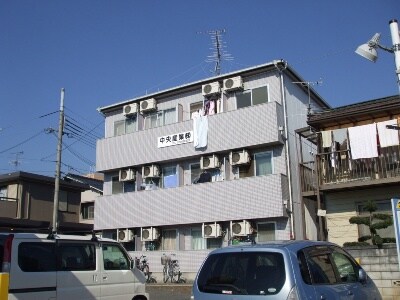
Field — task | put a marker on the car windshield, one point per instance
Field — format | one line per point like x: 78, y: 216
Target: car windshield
x: 243, y: 273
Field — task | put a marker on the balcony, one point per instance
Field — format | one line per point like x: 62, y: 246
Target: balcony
x: 251, y: 197
x: 337, y: 170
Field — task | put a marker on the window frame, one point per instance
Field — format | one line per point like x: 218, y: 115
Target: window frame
x: 252, y: 98
x: 271, y: 160
x: 265, y: 223
x: 123, y: 125
x: 174, y: 243
x: 160, y: 120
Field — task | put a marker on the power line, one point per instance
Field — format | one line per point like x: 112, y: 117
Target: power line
x: 21, y: 143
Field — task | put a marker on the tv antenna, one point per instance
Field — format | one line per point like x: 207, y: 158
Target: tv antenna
x: 16, y: 162
x: 307, y: 84
x: 218, y: 46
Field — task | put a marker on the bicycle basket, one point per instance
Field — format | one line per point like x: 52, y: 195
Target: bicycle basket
x: 165, y: 259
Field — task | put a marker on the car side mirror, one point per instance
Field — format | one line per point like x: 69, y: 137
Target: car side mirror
x: 362, y: 276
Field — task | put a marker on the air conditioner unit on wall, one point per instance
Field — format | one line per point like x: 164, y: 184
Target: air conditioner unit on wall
x: 234, y: 83
x: 127, y: 175
x: 209, y: 162
x: 211, y: 88
x: 125, y: 235
x: 241, y: 228
x: 150, y: 234
x: 212, y: 230
x: 148, y: 105
x: 240, y: 157
x: 130, y: 109
x: 150, y: 171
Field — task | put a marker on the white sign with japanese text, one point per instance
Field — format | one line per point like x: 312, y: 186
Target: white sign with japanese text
x: 175, y: 139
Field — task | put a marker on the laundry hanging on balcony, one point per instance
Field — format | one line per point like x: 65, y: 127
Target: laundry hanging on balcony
x: 388, y: 137
x: 200, y: 130
x: 363, y: 141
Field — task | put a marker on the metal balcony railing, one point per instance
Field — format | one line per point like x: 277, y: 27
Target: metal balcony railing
x: 338, y: 167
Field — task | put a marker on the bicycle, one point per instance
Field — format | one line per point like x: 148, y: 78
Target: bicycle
x: 171, y: 269
x: 143, y: 265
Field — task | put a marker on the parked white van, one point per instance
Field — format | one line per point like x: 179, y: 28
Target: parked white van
x: 65, y: 267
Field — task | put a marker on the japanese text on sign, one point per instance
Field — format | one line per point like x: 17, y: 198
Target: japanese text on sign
x: 175, y: 139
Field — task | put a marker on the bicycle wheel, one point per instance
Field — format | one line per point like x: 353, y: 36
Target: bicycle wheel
x: 175, y: 272
x: 165, y: 273
x: 146, y: 272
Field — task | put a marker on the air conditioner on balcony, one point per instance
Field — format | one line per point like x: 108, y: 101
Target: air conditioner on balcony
x: 125, y: 235
x: 127, y: 175
x: 234, y: 83
x: 150, y: 171
x: 241, y: 228
x: 240, y: 157
x: 209, y: 162
x: 211, y: 88
x: 148, y: 105
x: 212, y: 230
x: 150, y: 234
x: 130, y: 109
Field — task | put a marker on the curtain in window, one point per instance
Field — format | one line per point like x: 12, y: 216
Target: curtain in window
x: 170, y: 178
x: 266, y: 232
x: 263, y: 163
x: 130, y: 125
x: 169, y: 240
x: 198, y: 241
x: 119, y: 128
x: 169, y: 116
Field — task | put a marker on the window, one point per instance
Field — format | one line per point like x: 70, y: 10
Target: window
x: 265, y: 232
x: 214, y: 243
x: 252, y: 97
x: 195, y: 172
x: 63, y: 201
x: 321, y: 269
x: 198, y: 242
x: 129, y: 186
x: 125, y: 126
x: 87, y: 211
x: 114, y: 258
x: 3, y: 193
x: 37, y: 257
x: 169, y: 239
x: 160, y: 118
x: 117, y: 186
x: 195, y: 107
x: 169, y: 178
x: 263, y: 163
x: 346, y: 270
x: 76, y: 256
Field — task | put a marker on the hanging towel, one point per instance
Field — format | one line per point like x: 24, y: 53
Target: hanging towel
x: 363, y: 142
x: 196, y: 118
x: 211, y: 108
x: 202, y: 132
x: 326, y: 138
x: 388, y: 137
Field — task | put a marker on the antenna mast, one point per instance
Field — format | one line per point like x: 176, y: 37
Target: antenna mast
x: 17, y: 162
x: 218, y: 46
x: 307, y: 84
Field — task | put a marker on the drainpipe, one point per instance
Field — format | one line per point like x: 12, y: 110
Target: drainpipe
x: 281, y: 66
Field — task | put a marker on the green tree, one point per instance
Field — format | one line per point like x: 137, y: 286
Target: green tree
x: 374, y: 221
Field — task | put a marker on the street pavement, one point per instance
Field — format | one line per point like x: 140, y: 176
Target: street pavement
x: 169, y: 291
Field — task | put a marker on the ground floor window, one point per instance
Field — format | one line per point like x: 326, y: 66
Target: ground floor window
x: 266, y: 232
x: 198, y: 242
x: 169, y: 239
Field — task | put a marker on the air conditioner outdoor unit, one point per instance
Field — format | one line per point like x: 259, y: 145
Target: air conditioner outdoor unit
x: 212, y: 230
x: 130, y: 109
x: 234, y: 83
x: 150, y: 171
x: 148, y: 105
x: 209, y: 162
x: 241, y: 157
x: 211, y: 88
x: 150, y: 234
x: 241, y: 228
x: 127, y: 175
x: 125, y: 235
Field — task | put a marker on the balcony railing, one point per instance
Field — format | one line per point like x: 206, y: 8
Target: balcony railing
x: 337, y: 167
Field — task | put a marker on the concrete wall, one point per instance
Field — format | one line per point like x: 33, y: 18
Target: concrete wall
x: 382, y: 266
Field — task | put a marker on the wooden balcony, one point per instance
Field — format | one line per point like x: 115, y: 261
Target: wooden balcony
x: 337, y: 170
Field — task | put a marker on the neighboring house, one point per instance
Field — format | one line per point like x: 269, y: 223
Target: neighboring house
x: 163, y: 193
x: 27, y: 201
x: 94, y: 183
x: 357, y: 158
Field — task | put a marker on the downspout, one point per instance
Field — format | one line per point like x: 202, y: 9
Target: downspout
x: 281, y: 66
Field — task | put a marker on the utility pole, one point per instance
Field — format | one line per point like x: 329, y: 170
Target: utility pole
x: 58, y: 164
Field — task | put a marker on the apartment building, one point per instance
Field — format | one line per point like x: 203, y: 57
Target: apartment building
x: 205, y: 164
x: 356, y: 159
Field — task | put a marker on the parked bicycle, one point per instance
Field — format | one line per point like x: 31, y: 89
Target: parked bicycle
x: 171, y: 269
x: 143, y: 265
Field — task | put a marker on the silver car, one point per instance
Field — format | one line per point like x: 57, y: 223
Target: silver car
x: 284, y: 270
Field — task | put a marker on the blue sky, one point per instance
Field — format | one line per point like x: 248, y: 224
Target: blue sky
x: 103, y: 52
